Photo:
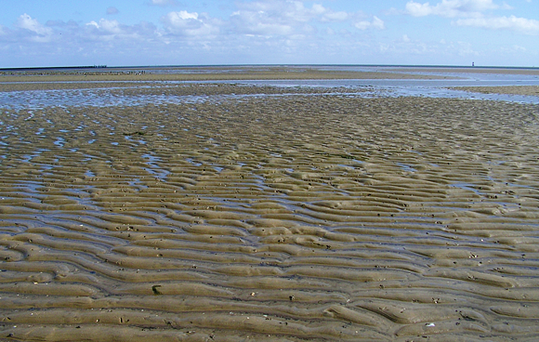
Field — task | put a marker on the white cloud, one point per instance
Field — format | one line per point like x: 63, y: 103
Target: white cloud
x: 107, y: 31
x: 471, y: 13
x: 190, y: 24
x: 375, y: 23
x: 450, y: 8
x: 112, y: 10
x: 335, y: 16
x: 261, y: 30
x: 184, y: 15
x: 34, y: 30
x: 106, y: 26
x: 269, y: 18
x: 291, y: 17
x: 28, y: 23
x: 328, y: 15
x: 528, y: 26
x: 519, y: 48
x: 163, y: 3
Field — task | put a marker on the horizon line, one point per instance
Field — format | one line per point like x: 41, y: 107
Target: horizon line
x: 104, y: 66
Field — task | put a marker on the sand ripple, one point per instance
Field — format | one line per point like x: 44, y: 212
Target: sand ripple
x: 281, y: 218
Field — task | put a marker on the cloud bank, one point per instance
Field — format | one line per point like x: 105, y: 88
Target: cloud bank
x: 450, y: 8
x: 527, y: 26
x: 282, y: 24
x: 474, y: 13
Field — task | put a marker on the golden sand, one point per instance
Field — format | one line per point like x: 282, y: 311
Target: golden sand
x: 271, y: 218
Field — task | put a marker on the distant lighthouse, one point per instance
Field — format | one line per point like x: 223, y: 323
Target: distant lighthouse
x: 473, y: 64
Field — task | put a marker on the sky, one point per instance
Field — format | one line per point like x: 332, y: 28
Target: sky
x: 47, y: 33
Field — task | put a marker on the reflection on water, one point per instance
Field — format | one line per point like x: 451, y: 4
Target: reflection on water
x: 92, y: 97
x: 431, y: 88
x: 37, y: 99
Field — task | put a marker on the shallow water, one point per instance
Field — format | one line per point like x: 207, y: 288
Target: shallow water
x: 100, y: 97
x: 286, y: 217
x: 431, y: 88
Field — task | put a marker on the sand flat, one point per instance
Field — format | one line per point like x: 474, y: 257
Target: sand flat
x: 514, y: 90
x: 87, y: 77
x: 468, y: 70
x: 293, y: 217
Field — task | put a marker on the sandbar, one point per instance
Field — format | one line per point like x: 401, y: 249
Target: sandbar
x: 515, y: 90
x: 85, y: 77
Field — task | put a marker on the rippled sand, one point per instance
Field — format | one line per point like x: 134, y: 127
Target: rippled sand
x: 299, y: 217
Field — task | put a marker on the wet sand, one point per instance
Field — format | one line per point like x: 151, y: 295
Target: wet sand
x: 467, y: 70
x: 285, y: 218
x: 86, y: 78
x: 516, y: 90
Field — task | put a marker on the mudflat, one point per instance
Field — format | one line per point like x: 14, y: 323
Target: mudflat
x: 87, y: 78
x: 516, y: 90
x: 271, y: 216
x: 468, y: 70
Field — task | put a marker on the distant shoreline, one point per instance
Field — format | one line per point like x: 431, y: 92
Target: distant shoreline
x: 157, y: 67
x: 87, y: 74
x: 82, y: 67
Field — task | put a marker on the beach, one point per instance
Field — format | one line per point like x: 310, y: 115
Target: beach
x: 265, y: 213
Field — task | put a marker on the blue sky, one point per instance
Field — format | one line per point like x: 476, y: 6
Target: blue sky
x: 179, y: 32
